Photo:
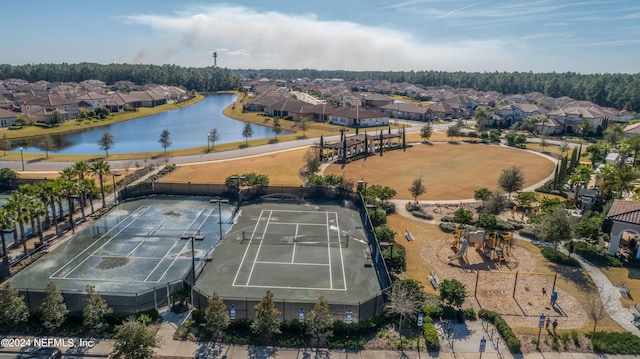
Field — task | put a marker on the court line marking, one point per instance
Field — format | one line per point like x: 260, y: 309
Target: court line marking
x: 89, y: 247
x: 299, y: 264
x: 326, y: 223
x: 259, y: 247
x: 344, y: 274
x: 135, y: 215
x: 177, y: 256
x: 291, y: 287
x: 145, y: 237
x: 247, y: 249
x: 302, y: 223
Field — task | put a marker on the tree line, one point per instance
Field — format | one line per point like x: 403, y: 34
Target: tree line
x: 204, y: 79
x: 621, y: 91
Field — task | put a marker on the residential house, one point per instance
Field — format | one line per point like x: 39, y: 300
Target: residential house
x: 91, y: 100
x: 406, y: 111
x: 359, y: 116
x: 439, y: 111
x: 44, y: 108
x: 462, y: 105
x: 375, y: 100
x: 632, y: 130
x: 515, y: 112
x: 8, y: 118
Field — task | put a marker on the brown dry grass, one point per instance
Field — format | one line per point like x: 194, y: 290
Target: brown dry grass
x: 449, y: 171
x: 281, y: 167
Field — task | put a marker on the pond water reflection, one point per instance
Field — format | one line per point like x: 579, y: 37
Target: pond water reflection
x: 188, y: 128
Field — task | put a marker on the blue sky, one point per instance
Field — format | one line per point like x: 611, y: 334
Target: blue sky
x: 451, y: 35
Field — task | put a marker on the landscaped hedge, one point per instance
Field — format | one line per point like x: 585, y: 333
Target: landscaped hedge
x: 528, y: 232
x: 616, y: 343
x: 593, y: 255
x: 422, y: 215
x: 513, y: 343
x: 431, y: 338
x: 448, y: 227
x: 558, y: 257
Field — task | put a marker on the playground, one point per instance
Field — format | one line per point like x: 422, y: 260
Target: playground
x: 506, y: 278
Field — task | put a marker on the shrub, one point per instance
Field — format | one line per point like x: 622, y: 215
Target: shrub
x: 448, y: 227
x: 591, y: 253
x: 513, y: 343
x: 422, y: 215
x: 470, y: 314
x: 528, y: 232
x: 616, y: 343
x: 446, y: 219
x: 575, y: 336
x: 431, y: 338
x: 559, y: 257
x: 432, y: 311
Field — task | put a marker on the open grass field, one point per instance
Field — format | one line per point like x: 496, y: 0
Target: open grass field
x: 449, y: 171
x: 281, y: 167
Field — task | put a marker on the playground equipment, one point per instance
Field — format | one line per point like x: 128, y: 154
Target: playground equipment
x: 463, y: 248
x: 495, y: 246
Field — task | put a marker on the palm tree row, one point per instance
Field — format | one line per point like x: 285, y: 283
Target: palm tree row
x: 32, y: 202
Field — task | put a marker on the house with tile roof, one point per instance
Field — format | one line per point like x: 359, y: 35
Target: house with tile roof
x: 359, y: 116
x: 625, y: 216
x: 406, y: 111
x: 44, y: 108
x: 8, y: 118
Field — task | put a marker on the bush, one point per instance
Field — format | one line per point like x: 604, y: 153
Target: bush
x: 470, y: 314
x: 559, y: 257
x: 446, y: 219
x: 431, y: 338
x: 432, y: 311
x: 513, y: 343
x: 591, y: 253
x: 448, y: 227
x: 528, y: 232
x: 616, y: 343
x: 422, y: 215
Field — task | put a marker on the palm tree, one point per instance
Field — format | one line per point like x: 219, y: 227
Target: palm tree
x: 78, y: 190
x: 68, y: 173
x: 59, y: 185
x: 619, y: 179
x: 101, y: 168
x: 37, y: 209
x: 88, y: 187
x: 6, y: 222
x: 50, y: 193
x: 17, y: 203
x: 81, y: 169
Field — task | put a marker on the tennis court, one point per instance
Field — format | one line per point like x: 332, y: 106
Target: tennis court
x: 139, y: 245
x: 298, y: 251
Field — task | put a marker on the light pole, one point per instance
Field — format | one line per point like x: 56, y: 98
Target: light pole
x: 115, y: 193
x: 219, y: 201
x: 208, y: 141
x: 22, y: 157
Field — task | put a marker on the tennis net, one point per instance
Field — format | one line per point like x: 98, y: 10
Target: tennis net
x: 319, y: 240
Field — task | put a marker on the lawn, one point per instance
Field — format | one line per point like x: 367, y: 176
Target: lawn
x: 448, y: 170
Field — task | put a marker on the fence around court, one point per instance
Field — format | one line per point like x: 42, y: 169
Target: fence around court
x: 121, y: 302
x: 288, y: 308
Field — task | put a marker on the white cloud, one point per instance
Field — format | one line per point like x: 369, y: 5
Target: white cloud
x: 275, y: 40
